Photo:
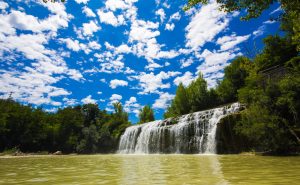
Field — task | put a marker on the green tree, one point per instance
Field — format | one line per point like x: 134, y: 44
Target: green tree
x: 181, y: 100
x: 198, y: 93
x: 71, y: 123
x: 277, y: 51
x: 253, y: 8
x: 146, y: 115
x: 234, y: 78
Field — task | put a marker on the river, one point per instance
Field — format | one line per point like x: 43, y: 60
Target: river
x: 150, y: 169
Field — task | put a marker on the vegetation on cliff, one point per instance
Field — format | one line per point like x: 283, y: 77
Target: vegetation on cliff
x: 268, y: 84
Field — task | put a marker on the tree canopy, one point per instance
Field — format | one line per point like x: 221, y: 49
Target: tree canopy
x: 146, y: 114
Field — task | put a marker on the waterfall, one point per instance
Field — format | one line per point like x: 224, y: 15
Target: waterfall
x: 190, y: 133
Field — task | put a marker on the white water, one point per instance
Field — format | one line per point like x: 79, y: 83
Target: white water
x: 193, y: 133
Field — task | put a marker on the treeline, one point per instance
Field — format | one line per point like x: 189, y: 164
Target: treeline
x: 80, y: 129
x: 197, y: 96
x: 268, y: 84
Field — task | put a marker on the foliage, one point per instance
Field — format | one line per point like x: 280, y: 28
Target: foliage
x: 82, y: 129
x: 197, y: 96
x: 272, y: 98
x: 253, y: 8
x: 146, y: 114
x: 234, y: 79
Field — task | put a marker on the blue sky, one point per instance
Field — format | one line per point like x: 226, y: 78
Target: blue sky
x: 133, y: 51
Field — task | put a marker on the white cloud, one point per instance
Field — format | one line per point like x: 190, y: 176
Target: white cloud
x: 186, y: 63
x: 116, y: 4
x: 89, y: 28
x: 103, y: 80
x: 208, y: 22
x: 163, y: 101
x: 260, y: 31
x: 151, y: 83
x: 175, y: 17
x: 115, y: 83
x: 82, y: 1
x: 229, y: 42
x: 3, y: 5
x: 88, y: 12
x: 30, y: 86
x: 89, y: 100
x: 170, y: 27
x: 114, y: 98
x: 70, y: 102
x: 94, y: 45
x: 143, y: 35
x: 270, y: 22
x: 143, y: 31
x: 131, y: 106
x: 74, y: 45
x: 279, y: 9
x: 110, y: 18
x: 214, y: 63
x: 23, y: 21
x: 186, y: 79
x: 161, y: 13
x: 44, y: 67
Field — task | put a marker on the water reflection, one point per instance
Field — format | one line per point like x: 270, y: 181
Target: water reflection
x: 150, y: 169
x: 171, y: 169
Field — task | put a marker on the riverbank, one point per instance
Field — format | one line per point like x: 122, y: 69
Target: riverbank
x: 41, y: 154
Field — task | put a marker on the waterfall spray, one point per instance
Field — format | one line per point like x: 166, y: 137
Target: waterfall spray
x: 191, y: 133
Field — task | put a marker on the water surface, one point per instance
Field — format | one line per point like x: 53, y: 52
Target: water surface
x: 150, y: 169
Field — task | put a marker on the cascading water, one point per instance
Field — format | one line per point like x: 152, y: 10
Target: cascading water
x: 191, y: 133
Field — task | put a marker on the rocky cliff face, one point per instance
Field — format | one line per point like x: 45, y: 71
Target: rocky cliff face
x: 228, y: 141
x: 192, y: 133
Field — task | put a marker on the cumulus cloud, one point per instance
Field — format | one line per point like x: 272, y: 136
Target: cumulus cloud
x: 115, y: 83
x: 186, y: 79
x: 34, y: 83
x: 151, y: 83
x: 170, y: 27
x: 205, y: 25
x: 115, y: 98
x: 116, y: 4
x: 229, y: 42
x: 174, y: 17
x: 131, y: 106
x: 110, y: 18
x: 163, y: 101
x: 74, y: 45
x: 161, y: 13
x: 186, y: 63
x: 82, y: 1
x: 3, y: 5
x: 88, y: 12
x: 214, y: 63
x: 89, y: 100
x: 89, y: 28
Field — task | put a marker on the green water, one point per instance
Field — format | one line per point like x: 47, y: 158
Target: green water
x: 150, y: 169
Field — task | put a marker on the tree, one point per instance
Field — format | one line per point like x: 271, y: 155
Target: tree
x: 146, y: 115
x: 234, y: 78
x: 253, y: 8
x: 277, y: 51
x: 181, y: 100
x: 71, y: 123
x: 198, y: 94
